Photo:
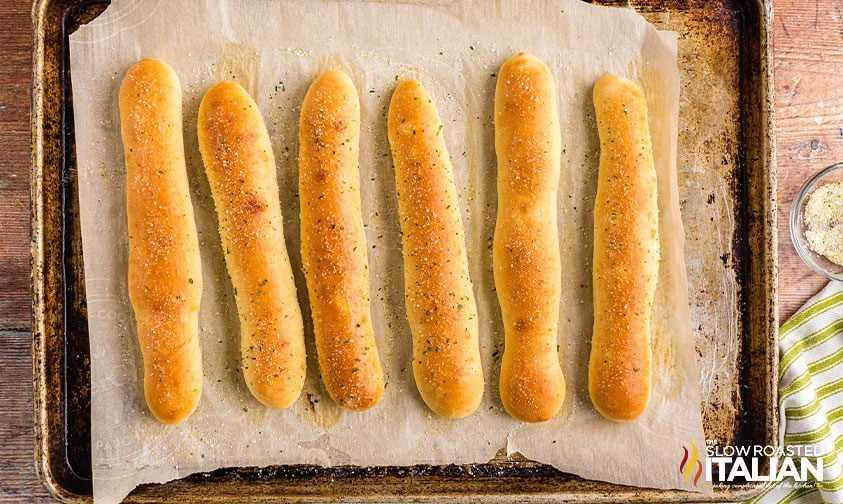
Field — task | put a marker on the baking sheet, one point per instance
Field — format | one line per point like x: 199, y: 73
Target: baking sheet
x: 275, y: 49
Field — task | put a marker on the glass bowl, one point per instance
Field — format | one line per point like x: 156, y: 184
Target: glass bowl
x: 817, y: 262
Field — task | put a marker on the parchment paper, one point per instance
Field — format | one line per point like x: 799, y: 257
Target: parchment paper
x: 275, y: 49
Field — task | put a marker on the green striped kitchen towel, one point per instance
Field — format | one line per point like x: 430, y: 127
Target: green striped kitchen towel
x: 811, y: 395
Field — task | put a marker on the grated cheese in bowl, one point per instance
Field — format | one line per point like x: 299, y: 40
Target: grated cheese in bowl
x: 823, y: 218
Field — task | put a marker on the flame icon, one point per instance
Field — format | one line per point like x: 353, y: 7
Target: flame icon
x: 690, y: 462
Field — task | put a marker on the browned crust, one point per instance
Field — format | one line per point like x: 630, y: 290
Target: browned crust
x: 240, y: 166
x: 441, y: 308
x: 526, y: 245
x: 333, y: 242
x: 165, y: 272
x: 626, y: 252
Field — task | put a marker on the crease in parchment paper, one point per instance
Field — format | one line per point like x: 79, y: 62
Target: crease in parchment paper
x: 276, y: 49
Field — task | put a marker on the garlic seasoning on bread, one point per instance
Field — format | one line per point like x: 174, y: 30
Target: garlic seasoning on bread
x: 165, y: 272
x: 626, y: 252
x: 528, y: 276
x: 333, y: 242
x: 240, y: 166
x: 439, y: 298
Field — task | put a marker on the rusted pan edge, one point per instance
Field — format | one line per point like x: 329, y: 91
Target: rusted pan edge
x: 46, y: 254
x: 48, y: 317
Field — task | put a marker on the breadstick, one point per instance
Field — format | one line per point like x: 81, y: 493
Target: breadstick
x: 526, y: 246
x: 333, y: 242
x: 439, y: 299
x: 241, y: 170
x: 165, y: 272
x: 626, y: 252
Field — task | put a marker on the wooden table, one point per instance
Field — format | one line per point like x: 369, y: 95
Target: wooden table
x: 809, y: 97
x: 808, y: 63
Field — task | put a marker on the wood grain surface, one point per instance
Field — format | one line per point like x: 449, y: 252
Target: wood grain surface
x: 808, y: 65
x: 18, y: 482
x: 15, y: 70
x: 808, y: 62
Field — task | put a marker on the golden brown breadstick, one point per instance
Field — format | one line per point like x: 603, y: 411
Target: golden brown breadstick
x: 526, y: 245
x: 626, y: 252
x: 333, y: 242
x: 439, y: 299
x: 165, y: 272
x: 241, y: 170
